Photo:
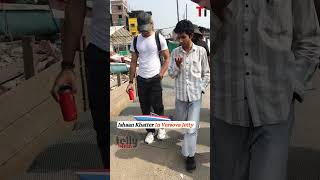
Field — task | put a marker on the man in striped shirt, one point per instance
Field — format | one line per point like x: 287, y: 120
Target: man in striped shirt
x: 189, y: 66
x: 265, y: 54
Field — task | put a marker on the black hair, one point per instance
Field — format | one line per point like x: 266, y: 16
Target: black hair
x: 202, y: 29
x: 196, y: 37
x: 184, y: 26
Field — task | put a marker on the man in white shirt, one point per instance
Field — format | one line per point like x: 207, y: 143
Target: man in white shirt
x: 150, y: 70
x: 96, y: 56
x: 190, y: 69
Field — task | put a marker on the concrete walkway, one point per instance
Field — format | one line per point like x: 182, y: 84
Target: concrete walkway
x: 67, y: 155
x: 160, y: 160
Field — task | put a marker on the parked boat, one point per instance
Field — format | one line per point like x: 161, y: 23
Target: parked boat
x: 117, y: 68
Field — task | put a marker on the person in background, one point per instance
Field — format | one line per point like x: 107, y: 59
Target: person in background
x: 198, y: 40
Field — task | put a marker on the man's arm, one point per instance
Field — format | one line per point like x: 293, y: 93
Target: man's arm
x: 205, y: 72
x: 166, y: 56
x: 133, y: 65
x: 306, y: 43
x: 132, y: 70
x: 74, y: 19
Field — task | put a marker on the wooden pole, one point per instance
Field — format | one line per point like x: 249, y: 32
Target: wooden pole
x: 28, y: 56
x: 119, y: 79
x: 178, y: 10
x: 186, y: 11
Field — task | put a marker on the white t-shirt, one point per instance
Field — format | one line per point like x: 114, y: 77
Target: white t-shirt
x: 98, y: 28
x: 149, y: 61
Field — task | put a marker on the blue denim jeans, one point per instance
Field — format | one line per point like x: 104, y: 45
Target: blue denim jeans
x: 189, y: 111
x: 251, y: 153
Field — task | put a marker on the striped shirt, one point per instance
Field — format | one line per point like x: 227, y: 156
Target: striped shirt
x: 264, y: 52
x: 193, y: 76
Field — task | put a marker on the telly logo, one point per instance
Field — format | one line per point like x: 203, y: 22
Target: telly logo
x: 127, y: 142
x: 199, y: 8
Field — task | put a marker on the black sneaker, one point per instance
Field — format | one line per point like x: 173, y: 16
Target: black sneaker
x: 190, y: 163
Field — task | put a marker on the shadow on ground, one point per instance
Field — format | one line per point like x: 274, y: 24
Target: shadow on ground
x: 303, y: 164
x: 60, y: 157
x: 79, y: 151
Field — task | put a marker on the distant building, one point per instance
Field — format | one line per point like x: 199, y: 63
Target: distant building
x: 132, y: 22
x: 134, y: 14
x: 119, y: 12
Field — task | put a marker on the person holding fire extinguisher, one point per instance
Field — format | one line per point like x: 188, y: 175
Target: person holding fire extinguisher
x: 148, y: 48
x: 96, y: 55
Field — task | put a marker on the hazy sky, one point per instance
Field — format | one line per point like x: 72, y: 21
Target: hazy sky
x: 164, y: 12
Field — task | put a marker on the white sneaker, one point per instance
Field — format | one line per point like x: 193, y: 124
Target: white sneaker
x: 149, y: 138
x: 161, y: 134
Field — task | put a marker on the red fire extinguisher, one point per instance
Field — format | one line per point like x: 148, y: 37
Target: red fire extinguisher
x: 131, y: 94
x: 67, y: 103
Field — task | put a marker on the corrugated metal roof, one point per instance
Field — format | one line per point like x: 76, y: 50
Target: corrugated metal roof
x: 120, y: 36
x: 114, y: 29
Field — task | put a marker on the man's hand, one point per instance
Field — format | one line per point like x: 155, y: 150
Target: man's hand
x: 161, y: 74
x: 165, y: 66
x: 178, y: 60
x: 66, y: 76
x: 130, y: 86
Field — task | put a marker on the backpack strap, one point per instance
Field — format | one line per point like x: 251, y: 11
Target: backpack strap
x: 135, y: 44
x: 157, y: 36
x: 158, y: 41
